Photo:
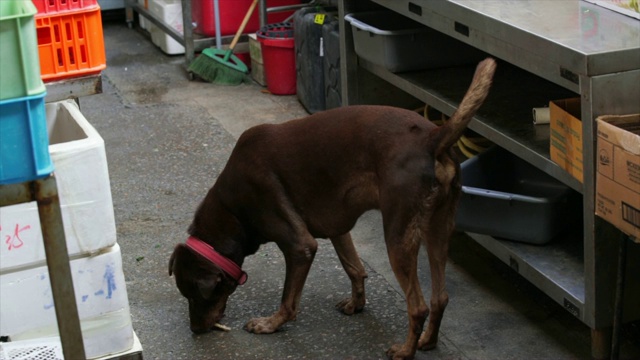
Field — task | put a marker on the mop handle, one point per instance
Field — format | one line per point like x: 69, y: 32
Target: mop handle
x: 243, y: 25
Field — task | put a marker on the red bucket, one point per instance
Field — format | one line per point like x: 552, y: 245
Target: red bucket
x: 278, y: 55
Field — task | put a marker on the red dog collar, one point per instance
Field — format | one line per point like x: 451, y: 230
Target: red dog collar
x: 228, y: 266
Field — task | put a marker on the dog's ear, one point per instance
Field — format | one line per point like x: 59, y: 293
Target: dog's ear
x: 172, y: 259
x: 208, y: 285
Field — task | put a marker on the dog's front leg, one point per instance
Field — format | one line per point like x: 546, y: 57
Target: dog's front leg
x: 351, y: 263
x: 298, y: 258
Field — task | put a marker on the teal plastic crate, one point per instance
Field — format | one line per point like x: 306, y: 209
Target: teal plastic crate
x: 19, y: 61
x: 24, y: 141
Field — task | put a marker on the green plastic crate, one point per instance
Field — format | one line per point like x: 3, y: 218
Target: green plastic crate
x: 20, y: 65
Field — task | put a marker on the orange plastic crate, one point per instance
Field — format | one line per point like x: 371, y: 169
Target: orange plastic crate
x: 70, y: 45
x: 53, y: 7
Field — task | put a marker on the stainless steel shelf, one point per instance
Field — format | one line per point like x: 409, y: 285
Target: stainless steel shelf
x: 505, y: 118
x: 584, y: 39
x: 547, y: 51
x: 193, y: 42
x: 556, y: 268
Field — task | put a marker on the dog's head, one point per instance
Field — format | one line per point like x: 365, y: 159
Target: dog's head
x: 206, y: 287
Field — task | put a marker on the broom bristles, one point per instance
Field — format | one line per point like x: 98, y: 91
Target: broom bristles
x: 216, y: 72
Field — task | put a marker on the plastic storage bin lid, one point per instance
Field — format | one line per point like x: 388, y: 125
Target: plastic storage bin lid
x: 276, y: 31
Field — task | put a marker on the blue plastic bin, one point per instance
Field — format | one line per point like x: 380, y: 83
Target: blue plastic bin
x: 24, y: 141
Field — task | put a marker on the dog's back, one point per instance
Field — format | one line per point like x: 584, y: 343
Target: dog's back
x: 332, y: 166
x: 333, y: 134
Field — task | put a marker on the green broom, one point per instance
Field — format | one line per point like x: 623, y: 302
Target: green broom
x: 221, y: 66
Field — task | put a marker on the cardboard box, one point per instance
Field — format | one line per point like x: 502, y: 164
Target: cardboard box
x: 626, y: 7
x: 566, y: 135
x: 27, y: 306
x: 618, y: 176
x: 78, y: 154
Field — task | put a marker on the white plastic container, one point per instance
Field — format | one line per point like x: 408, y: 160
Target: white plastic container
x: 141, y: 19
x: 27, y: 307
x: 170, y: 11
x: 82, y: 176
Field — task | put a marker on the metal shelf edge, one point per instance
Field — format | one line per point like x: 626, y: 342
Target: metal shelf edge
x: 573, y: 300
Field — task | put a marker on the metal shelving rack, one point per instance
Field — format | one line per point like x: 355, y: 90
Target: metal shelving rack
x: 45, y: 193
x: 193, y: 43
x: 548, y: 51
x: 74, y: 88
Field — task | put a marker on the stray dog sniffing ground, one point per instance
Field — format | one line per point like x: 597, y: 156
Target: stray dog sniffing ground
x: 314, y: 177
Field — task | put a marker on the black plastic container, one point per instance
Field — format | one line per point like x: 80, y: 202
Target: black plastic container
x: 331, y: 46
x: 506, y: 197
x: 309, y: 62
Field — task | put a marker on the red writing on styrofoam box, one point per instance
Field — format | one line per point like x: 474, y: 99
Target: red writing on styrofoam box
x: 12, y: 237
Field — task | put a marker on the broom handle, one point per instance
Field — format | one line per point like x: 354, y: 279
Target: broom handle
x: 243, y: 25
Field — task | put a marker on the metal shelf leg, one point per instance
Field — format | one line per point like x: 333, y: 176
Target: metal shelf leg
x: 617, y: 319
x: 55, y: 246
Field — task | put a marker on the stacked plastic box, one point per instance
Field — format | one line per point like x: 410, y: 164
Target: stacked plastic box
x: 23, y: 133
x: 35, y: 138
x: 26, y: 303
x: 70, y: 38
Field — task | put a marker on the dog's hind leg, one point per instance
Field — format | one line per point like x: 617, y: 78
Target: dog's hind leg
x: 441, y: 227
x: 403, y: 245
x: 351, y: 263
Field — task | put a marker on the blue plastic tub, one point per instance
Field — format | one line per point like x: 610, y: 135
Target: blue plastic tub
x: 24, y: 142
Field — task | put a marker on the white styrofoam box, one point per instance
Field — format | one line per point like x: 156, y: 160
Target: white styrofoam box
x: 141, y: 19
x: 27, y: 306
x: 170, y: 11
x: 82, y: 176
x: 40, y: 349
x: 50, y: 348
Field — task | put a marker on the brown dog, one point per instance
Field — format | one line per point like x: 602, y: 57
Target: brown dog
x: 313, y: 178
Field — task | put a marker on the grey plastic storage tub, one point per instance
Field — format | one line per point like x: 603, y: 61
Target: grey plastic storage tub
x: 505, y: 197
x: 400, y: 44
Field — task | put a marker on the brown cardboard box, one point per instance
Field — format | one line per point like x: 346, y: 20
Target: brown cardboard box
x: 618, y: 176
x: 566, y: 135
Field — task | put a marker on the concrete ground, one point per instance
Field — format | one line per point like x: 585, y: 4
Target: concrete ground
x: 168, y: 138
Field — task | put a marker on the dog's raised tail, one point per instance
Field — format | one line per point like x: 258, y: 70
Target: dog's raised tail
x: 447, y: 134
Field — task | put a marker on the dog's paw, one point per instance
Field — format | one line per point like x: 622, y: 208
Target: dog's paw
x: 264, y: 325
x: 398, y: 352
x: 349, y: 307
x: 427, y: 342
